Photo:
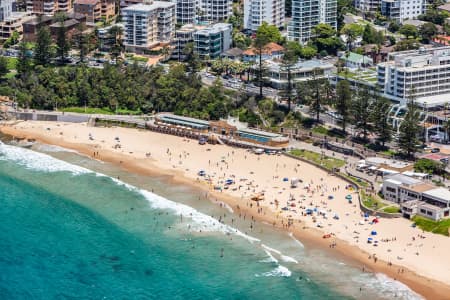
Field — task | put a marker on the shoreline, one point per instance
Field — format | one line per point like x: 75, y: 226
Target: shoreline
x: 355, y: 256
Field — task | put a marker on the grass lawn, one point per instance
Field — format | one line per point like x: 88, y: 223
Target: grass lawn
x: 89, y: 110
x: 440, y: 227
x: 325, y: 131
x: 327, y: 162
x: 371, y: 201
x: 391, y: 209
x: 356, y: 180
x: 12, y: 62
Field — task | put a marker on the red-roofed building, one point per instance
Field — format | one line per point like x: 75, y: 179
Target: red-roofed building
x: 442, y: 40
x: 270, y: 51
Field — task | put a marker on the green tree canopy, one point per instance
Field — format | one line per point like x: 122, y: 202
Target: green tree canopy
x: 269, y: 33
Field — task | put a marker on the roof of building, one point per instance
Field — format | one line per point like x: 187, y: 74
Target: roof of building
x: 67, y: 23
x: 268, y: 49
x: 215, y: 28
x: 403, y: 179
x: 187, y: 121
x: 260, y: 132
x: 445, y: 7
x: 435, y: 100
x: 142, y: 7
x: 86, y: 2
x: 386, y: 161
x: 356, y: 58
x: 439, y: 193
x: 305, y: 65
x: 37, y: 21
x: 413, y: 22
x: 419, y: 188
x: 234, y: 52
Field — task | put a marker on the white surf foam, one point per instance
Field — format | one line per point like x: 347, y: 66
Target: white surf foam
x: 52, y: 148
x: 286, y: 258
x: 394, y: 288
x: 279, y: 271
x: 271, y: 258
x: 201, y: 221
x: 295, y: 240
x: 38, y: 161
x: 271, y: 249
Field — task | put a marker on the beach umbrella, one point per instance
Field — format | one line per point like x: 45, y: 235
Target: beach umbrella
x: 285, y: 179
x: 348, y: 197
x: 366, y: 215
x: 330, y: 197
x: 373, y: 232
x: 375, y: 220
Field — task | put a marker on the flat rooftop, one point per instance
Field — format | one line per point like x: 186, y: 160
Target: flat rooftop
x: 439, y: 193
x: 260, y: 133
x: 419, y: 188
x: 404, y: 179
x: 183, y: 121
x: 386, y: 161
x: 142, y: 7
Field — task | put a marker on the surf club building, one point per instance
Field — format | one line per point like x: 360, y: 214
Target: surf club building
x: 417, y: 197
x: 229, y: 131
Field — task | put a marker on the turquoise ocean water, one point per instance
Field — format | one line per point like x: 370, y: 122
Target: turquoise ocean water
x: 70, y: 229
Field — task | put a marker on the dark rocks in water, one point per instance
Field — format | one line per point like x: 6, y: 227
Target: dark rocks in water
x: 148, y: 272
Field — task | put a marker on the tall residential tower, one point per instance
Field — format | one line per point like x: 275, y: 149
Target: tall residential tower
x: 258, y: 11
x: 306, y: 14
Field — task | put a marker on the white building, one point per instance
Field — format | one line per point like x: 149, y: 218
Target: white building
x: 186, y: 11
x: 424, y: 71
x: 213, y: 40
x: 416, y: 197
x: 258, y: 11
x: 277, y: 74
x: 5, y: 9
x: 148, y: 24
x: 367, y: 5
x: 401, y: 10
x: 203, y: 11
x: 307, y: 14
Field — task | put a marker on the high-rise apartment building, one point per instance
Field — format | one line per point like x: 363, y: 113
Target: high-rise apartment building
x: 367, y: 5
x: 213, y: 40
x: 401, y: 10
x: 258, y: 11
x: 5, y: 9
x: 49, y: 7
x: 424, y: 72
x: 203, y: 11
x: 307, y: 14
x: 148, y: 24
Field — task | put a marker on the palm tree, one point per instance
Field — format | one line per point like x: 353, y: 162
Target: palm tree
x: 165, y: 51
x: 446, y: 127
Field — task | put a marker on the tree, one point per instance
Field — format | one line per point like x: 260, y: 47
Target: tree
x: 380, y: 118
x: 62, y: 43
x: 116, y: 33
x: 408, y: 44
x: 325, y: 39
x: 409, y: 31
x: 427, y: 32
x: 343, y: 98
x: 409, y: 129
x: 43, y: 50
x: 393, y: 26
x: 3, y: 66
x: 352, y: 31
x: 23, y: 60
x: 269, y: 33
x: 290, y: 58
x: 193, y: 62
x: 261, y: 40
x: 313, y: 92
x: 308, y: 52
x: 81, y: 42
x: 361, y: 110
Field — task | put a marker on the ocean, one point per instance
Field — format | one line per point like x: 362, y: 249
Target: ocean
x: 76, y: 228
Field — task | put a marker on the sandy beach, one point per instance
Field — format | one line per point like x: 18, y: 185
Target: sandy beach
x: 418, y: 259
